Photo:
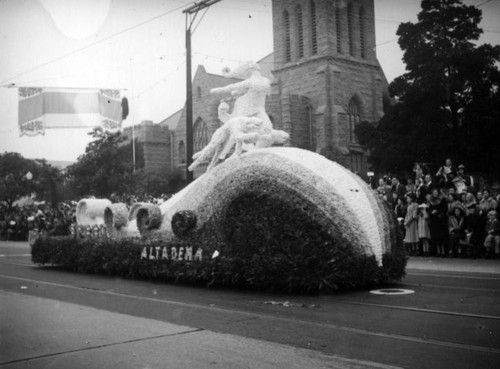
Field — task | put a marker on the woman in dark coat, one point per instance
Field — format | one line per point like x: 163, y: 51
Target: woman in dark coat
x: 438, y: 222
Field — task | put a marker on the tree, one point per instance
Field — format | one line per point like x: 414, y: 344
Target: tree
x: 447, y: 101
x: 22, y: 177
x: 106, y: 166
x: 15, y: 182
x: 46, y: 178
x: 151, y: 183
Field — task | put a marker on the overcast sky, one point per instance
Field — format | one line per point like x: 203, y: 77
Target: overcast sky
x: 138, y: 45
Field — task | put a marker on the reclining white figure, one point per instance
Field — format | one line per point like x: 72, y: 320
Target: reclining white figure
x: 248, y: 126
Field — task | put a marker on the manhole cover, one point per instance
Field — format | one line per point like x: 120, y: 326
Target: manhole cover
x: 392, y: 291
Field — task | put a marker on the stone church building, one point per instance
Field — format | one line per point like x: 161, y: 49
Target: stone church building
x: 325, y: 79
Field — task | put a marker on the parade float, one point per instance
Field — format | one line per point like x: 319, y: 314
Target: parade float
x: 262, y: 216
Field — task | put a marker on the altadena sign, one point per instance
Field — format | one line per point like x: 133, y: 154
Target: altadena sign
x: 171, y: 253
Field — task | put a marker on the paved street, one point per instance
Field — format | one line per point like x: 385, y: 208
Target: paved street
x: 52, y: 318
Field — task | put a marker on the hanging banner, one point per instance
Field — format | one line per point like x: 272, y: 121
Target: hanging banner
x: 41, y: 108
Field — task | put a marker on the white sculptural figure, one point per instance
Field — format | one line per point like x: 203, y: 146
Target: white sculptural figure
x: 247, y: 126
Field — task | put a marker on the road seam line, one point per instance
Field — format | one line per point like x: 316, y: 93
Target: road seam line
x: 461, y: 276
x: 100, y: 346
x: 468, y: 315
x: 266, y: 316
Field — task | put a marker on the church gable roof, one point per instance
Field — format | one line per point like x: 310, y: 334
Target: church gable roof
x: 172, y: 121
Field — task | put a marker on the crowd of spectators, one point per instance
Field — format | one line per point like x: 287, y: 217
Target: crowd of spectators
x: 444, y: 213
x: 16, y: 222
x: 19, y: 223
x: 130, y: 199
x: 441, y: 214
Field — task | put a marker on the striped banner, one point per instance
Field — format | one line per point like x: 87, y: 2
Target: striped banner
x: 41, y: 108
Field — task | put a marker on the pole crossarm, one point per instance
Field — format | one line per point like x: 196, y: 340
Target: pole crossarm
x: 196, y: 7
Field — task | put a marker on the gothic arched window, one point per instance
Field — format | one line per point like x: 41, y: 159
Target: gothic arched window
x: 338, y: 29
x: 182, y: 152
x: 349, y: 29
x: 353, y: 116
x: 362, y: 32
x: 200, y: 135
x: 300, y: 31
x: 288, y: 51
x: 314, y: 30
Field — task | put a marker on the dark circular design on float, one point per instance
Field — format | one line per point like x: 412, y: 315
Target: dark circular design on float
x: 148, y: 217
x: 182, y: 222
x: 115, y: 216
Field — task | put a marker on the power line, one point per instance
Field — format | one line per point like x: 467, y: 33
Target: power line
x: 202, y: 16
x: 92, y: 44
x: 483, y: 3
x: 225, y: 59
x: 163, y: 79
x: 114, y: 67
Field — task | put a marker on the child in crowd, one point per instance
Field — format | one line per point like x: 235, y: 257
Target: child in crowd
x: 411, y: 224
x: 411, y: 187
x: 492, y: 240
x: 456, y: 224
x: 474, y: 230
x: 424, y: 234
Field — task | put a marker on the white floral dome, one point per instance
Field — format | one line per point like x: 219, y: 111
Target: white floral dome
x: 348, y: 206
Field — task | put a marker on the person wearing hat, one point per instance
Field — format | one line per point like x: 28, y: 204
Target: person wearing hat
x: 424, y: 189
x: 398, y: 187
x: 462, y: 181
x: 411, y: 224
x: 446, y: 174
x: 384, y: 190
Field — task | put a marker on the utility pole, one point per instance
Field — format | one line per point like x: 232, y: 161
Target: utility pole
x: 132, y: 117
x: 191, y: 13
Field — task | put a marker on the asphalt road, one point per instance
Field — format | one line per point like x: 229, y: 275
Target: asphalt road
x: 451, y: 320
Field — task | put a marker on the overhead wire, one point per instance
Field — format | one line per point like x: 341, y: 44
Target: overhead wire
x: 199, y: 21
x: 113, y: 67
x: 382, y: 19
x: 225, y: 59
x: 163, y: 79
x: 92, y: 44
x: 483, y: 3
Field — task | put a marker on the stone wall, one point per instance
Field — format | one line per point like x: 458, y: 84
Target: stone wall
x: 333, y: 76
x: 153, y: 141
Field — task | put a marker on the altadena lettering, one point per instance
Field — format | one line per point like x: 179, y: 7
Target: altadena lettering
x: 172, y: 253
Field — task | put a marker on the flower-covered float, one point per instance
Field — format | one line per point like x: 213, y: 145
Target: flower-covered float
x: 274, y: 218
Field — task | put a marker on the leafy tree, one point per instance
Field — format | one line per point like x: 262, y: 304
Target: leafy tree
x: 46, y: 178
x: 151, y: 183
x: 22, y: 177
x: 106, y: 166
x: 447, y: 101
x: 14, y: 178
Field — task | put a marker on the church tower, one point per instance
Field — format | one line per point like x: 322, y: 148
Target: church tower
x: 325, y: 61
